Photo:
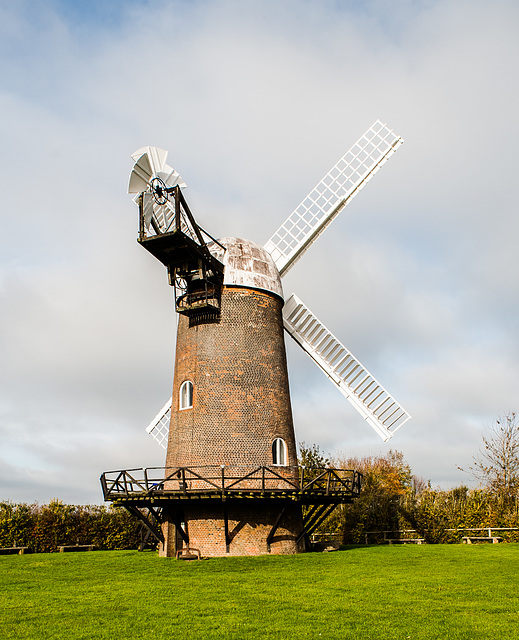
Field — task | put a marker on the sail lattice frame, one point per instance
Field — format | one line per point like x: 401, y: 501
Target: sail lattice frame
x: 158, y: 428
x: 353, y: 380
x: 338, y: 187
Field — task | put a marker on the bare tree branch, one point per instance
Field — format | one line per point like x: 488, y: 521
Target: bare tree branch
x: 496, y: 465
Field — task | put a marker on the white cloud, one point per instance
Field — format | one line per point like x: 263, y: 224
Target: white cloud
x: 255, y: 101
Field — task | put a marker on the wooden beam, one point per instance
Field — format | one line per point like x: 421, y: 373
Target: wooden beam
x: 226, y: 527
x: 175, y: 518
x: 326, y: 512
x: 274, y: 528
x: 137, y: 513
x: 314, y: 518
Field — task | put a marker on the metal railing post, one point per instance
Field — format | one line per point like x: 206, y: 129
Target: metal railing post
x: 142, y: 229
x: 104, y: 485
x: 177, y: 208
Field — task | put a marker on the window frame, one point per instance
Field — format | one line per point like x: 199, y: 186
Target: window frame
x: 279, y: 453
x: 185, y: 396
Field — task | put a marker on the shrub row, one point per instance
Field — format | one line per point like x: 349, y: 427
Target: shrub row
x: 43, y: 528
x: 393, y: 499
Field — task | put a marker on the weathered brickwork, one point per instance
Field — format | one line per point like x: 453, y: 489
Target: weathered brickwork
x: 241, y: 403
x: 249, y: 524
x: 241, y: 400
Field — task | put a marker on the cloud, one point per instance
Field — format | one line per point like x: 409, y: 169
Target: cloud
x: 255, y: 101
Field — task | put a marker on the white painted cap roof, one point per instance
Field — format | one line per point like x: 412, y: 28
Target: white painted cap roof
x: 247, y: 264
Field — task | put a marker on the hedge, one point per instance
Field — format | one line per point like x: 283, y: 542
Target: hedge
x: 43, y: 528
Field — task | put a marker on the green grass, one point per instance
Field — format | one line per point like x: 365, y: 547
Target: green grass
x: 381, y: 593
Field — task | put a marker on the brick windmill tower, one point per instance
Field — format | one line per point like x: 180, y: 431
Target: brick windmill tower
x: 231, y: 484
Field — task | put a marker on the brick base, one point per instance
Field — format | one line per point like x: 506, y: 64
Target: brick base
x: 249, y: 525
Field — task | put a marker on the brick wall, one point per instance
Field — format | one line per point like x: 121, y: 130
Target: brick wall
x: 249, y: 524
x: 241, y: 403
x: 241, y: 398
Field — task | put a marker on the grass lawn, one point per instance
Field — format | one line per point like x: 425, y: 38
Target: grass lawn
x: 382, y: 593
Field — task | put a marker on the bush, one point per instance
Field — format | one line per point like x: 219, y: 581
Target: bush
x: 44, y: 528
x: 386, y: 480
x: 434, y: 512
x: 393, y: 499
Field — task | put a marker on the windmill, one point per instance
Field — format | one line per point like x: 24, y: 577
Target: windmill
x: 231, y: 482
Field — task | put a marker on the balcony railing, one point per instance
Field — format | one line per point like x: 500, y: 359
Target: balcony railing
x: 176, y: 482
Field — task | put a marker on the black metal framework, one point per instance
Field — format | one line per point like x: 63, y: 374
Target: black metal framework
x: 183, y: 248
x: 158, y: 493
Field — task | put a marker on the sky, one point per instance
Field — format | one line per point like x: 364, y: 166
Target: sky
x: 255, y: 101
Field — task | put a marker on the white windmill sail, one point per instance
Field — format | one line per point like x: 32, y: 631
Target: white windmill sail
x: 370, y: 399
x: 150, y: 162
x: 338, y: 187
x: 159, y: 426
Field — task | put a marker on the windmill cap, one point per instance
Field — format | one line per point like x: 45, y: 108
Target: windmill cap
x: 247, y: 264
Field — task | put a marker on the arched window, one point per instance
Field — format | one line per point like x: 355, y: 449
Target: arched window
x: 279, y: 452
x: 186, y: 395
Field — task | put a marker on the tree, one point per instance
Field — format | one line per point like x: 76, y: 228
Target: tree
x: 387, y: 480
x: 312, y: 460
x: 496, y: 465
x: 311, y: 456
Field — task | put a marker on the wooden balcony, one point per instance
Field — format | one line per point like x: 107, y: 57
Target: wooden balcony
x: 163, y: 484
